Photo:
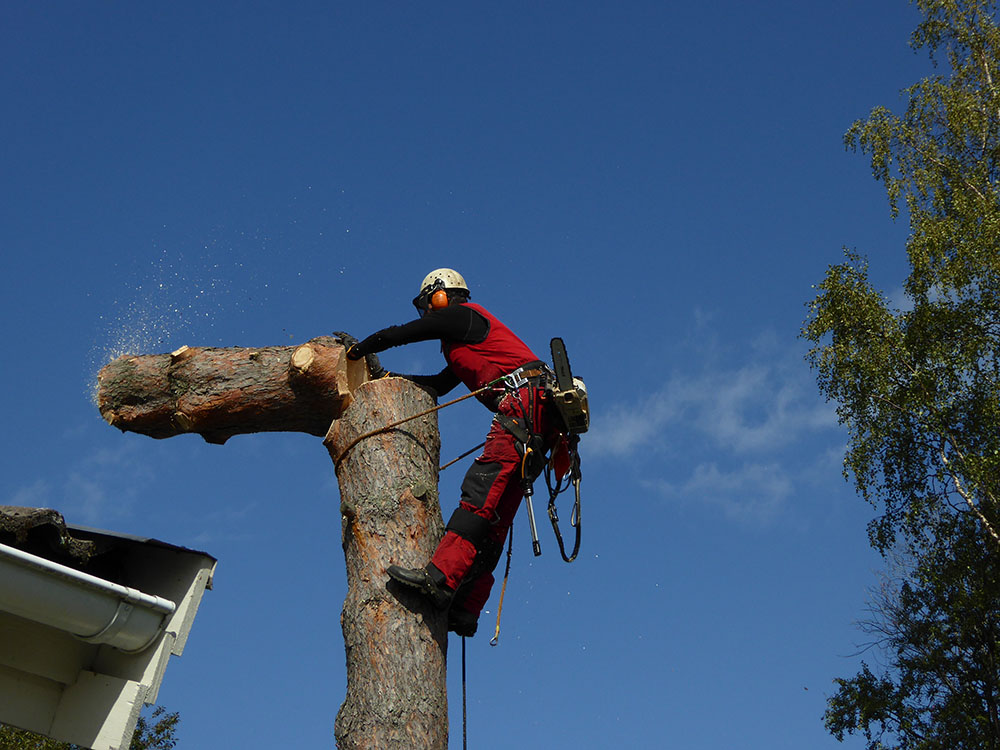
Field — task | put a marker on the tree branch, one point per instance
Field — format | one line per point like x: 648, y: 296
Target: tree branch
x: 966, y: 496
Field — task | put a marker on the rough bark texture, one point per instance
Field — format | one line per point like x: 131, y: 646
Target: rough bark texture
x: 219, y: 393
x: 42, y: 531
x: 396, y: 643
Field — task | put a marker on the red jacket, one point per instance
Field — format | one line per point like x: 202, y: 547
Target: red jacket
x: 499, y: 354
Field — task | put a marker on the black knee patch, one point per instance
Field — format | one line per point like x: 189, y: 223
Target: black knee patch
x: 487, y: 558
x: 478, y: 480
x: 469, y: 526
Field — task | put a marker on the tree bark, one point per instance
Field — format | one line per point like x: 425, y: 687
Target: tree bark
x: 396, y: 642
x: 219, y: 393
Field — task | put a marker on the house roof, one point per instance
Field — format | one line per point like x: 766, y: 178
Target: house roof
x: 45, y: 533
x: 89, y: 619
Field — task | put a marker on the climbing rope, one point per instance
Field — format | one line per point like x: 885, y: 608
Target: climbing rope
x: 465, y: 715
x: 467, y: 453
x: 503, y: 379
x: 503, y: 589
x: 404, y: 420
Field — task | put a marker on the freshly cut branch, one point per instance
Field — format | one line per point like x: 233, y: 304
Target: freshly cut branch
x: 219, y: 393
x: 396, y: 641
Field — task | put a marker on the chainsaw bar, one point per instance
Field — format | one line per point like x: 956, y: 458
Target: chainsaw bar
x: 560, y: 363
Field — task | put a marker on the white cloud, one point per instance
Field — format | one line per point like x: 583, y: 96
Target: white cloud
x: 738, y: 438
x: 753, y: 492
x: 94, y: 490
x: 899, y: 300
x: 35, y: 495
x: 751, y: 409
x: 228, y: 524
x: 626, y: 429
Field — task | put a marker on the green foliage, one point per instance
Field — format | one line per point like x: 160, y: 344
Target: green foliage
x: 918, y: 389
x: 938, y: 626
x: 157, y: 732
x: 154, y: 733
x: 16, y: 739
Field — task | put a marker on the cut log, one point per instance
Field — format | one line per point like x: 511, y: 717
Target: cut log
x: 219, y: 393
x: 396, y: 642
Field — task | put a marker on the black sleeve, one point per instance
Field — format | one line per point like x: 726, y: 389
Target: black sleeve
x: 441, y: 383
x: 456, y: 323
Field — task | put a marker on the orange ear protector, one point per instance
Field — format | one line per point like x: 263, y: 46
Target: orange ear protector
x: 438, y: 300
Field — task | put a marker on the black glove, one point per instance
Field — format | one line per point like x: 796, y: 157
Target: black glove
x: 375, y: 369
x: 348, y: 342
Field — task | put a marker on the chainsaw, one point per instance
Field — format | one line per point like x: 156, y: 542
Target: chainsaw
x: 568, y: 393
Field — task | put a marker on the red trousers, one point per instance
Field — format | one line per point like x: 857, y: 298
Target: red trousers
x: 492, y: 490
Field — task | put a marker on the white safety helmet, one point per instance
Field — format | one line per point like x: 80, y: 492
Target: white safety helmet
x: 441, y: 279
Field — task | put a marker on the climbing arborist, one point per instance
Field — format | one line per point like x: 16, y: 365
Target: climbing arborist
x: 479, y: 350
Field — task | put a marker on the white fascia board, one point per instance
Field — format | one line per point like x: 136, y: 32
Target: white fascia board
x: 74, y: 675
x: 99, y: 711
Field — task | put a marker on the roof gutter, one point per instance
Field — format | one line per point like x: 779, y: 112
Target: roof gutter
x: 90, y: 608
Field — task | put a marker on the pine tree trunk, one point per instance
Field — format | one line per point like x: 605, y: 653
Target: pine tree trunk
x: 396, y: 642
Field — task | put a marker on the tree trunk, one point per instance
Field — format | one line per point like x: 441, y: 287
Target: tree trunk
x: 396, y: 642
x: 219, y: 393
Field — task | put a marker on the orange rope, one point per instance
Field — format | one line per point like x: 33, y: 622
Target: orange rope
x: 398, y: 422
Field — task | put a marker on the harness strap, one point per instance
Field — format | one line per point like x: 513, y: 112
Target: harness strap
x: 524, y: 374
x: 574, y: 521
x: 555, y: 490
x: 515, y: 427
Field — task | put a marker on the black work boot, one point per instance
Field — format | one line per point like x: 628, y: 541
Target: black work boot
x: 462, y: 622
x: 429, y: 581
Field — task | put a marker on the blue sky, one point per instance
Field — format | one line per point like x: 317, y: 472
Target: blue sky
x: 658, y: 183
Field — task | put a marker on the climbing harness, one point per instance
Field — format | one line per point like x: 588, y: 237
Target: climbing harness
x: 568, y: 396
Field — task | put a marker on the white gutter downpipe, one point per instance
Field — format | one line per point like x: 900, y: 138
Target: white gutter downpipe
x: 90, y: 608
